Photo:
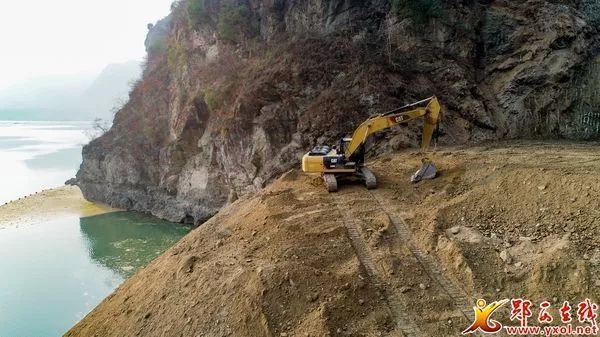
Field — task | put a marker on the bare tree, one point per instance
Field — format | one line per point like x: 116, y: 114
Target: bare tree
x: 99, y: 127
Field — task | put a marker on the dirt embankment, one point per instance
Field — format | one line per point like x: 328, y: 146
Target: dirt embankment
x: 48, y: 203
x: 505, y: 222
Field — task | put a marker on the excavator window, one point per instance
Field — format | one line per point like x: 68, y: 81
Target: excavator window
x: 320, y: 151
x: 343, y: 144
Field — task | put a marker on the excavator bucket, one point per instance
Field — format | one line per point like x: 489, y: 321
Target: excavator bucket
x: 426, y: 172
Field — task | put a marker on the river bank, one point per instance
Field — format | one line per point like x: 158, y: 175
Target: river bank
x: 66, y: 200
x: 62, y: 255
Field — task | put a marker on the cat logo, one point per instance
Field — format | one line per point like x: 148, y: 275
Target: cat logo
x: 401, y: 119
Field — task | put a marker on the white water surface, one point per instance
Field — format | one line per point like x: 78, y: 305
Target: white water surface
x: 38, y: 155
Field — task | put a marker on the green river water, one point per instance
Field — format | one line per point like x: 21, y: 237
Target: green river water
x: 53, y: 272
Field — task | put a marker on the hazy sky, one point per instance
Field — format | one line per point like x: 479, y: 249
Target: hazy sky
x: 55, y: 37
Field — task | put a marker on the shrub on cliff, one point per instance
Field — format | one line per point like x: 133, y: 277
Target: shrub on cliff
x: 158, y: 47
x: 197, y: 12
x: 217, y: 96
x: 213, y: 99
x: 420, y: 10
x: 176, y: 56
x: 234, y: 22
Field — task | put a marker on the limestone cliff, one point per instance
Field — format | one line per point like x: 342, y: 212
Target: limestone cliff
x: 235, y: 91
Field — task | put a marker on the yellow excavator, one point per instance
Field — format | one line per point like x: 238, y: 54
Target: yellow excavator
x: 347, y: 159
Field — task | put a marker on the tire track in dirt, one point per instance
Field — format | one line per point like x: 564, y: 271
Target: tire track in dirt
x: 429, y: 265
x: 393, y: 300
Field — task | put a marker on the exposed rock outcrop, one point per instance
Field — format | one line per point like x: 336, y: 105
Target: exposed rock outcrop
x: 233, y: 97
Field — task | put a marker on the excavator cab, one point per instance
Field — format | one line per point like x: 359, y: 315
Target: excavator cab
x: 326, y: 159
x: 319, y: 151
x: 344, y: 142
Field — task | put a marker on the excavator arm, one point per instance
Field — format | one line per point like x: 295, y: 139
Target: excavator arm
x: 428, y: 108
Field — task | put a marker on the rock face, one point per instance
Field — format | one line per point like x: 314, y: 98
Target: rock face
x: 234, y: 92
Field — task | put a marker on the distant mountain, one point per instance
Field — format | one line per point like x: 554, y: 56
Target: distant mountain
x: 45, y: 98
x: 110, y: 89
x: 82, y: 97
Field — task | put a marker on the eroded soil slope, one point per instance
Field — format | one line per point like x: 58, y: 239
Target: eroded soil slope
x: 504, y: 222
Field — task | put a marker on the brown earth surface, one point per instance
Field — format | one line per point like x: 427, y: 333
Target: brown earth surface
x: 512, y: 220
x: 48, y: 203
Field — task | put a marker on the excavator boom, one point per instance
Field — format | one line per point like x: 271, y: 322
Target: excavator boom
x: 428, y: 108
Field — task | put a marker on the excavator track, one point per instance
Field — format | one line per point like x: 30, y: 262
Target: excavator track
x: 393, y: 300
x: 396, y: 301
x: 455, y: 293
x: 330, y: 182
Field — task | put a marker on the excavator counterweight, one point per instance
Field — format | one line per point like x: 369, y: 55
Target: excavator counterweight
x: 347, y: 158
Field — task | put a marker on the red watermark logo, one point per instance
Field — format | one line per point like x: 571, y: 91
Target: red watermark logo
x: 536, y: 320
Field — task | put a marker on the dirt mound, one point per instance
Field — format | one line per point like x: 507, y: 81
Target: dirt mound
x: 402, y: 260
